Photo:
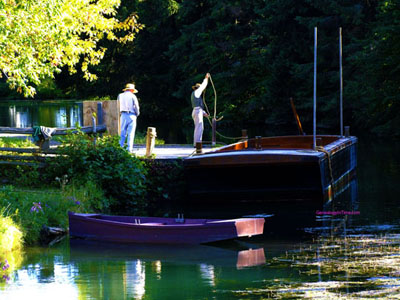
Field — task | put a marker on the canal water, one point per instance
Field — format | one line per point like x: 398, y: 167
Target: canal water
x: 69, y: 113
x: 27, y: 113
x: 348, y: 249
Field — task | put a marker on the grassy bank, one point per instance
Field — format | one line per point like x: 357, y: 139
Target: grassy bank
x: 85, y: 177
x: 10, y: 245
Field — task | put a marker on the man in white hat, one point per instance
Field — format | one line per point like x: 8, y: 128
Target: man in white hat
x: 198, y: 109
x: 129, y: 111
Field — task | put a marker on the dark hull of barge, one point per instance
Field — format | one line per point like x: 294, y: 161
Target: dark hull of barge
x: 273, y: 169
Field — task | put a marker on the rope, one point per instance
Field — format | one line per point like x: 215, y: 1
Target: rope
x: 322, y: 149
x: 215, y: 98
x: 215, y: 112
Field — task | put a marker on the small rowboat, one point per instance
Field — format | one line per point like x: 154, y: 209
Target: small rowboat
x: 161, y: 230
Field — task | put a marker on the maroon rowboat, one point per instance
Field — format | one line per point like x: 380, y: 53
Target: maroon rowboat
x: 161, y: 230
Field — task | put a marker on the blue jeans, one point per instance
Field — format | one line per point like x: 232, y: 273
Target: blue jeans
x: 128, y: 127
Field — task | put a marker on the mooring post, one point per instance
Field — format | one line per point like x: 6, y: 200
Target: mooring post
x: 150, y: 140
x: 100, y: 115
x: 244, y: 134
x: 214, y: 131
x: 258, y: 143
x: 346, y: 131
x: 199, y: 147
x: 94, y: 129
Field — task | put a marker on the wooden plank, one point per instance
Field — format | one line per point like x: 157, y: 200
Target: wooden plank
x: 59, y: 131
x: 15, y: 163
x: 13, y: 130
x: 89, y: 108
x: 30, y: 150
x: 26, y: 157
x: 85, y: 129
x: 20, y: 150
x: 111, y: 116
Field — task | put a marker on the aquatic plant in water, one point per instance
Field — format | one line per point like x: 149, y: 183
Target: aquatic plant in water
x: 352, y: 267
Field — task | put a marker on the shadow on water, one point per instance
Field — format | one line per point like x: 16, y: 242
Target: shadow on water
x: 288, y: 217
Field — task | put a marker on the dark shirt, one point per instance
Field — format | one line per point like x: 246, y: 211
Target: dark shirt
x: 196, y: 101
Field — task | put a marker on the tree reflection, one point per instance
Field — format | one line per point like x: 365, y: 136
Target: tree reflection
x: 22, y: 114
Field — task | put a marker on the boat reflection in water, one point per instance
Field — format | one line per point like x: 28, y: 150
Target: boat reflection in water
x: 139, y: 271
x: 339, y: 212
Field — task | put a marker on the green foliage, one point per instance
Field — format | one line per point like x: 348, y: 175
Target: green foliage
x: 165, y: 185
x: 10, y: 233
x: 120, y: 175
x: 34, y: 209
x: 12, y: 142
x: 20, y: 207
x: 21, y: 175
x: 38, y: 38
x: 259, y: 53
x: 375, y: 82
x: 11, y: 240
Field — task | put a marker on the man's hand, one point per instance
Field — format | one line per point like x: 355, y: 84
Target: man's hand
x: 207, y: 75
x: 205, y: 114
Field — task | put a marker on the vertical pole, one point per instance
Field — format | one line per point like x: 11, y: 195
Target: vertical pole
x: 100, y: 113
x: 94, y: 130
x: 315, y: 90
x: 81, y: 114
x: 214, y: 131
x: 341, y: 81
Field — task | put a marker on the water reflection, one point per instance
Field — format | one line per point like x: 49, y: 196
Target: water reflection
x: 143, y: 271
x: 134, y: 278
x: 23, y: 114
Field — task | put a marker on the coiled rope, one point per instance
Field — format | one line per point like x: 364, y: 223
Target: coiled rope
x: 215, y: 112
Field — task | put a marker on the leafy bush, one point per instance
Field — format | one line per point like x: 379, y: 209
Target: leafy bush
x: 121, y: 176
x: 165, y: 185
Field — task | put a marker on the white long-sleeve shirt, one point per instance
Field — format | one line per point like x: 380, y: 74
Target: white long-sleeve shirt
x: 128, y: 102
x: 201, y: 88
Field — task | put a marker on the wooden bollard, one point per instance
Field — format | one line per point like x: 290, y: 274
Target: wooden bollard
x: 199, y: 147
x: 244, y: 134
x: 258, y: 142
x: 150, y: 140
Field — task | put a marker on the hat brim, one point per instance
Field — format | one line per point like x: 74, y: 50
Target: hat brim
x: 134, y: 90
x: 196, y: 86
